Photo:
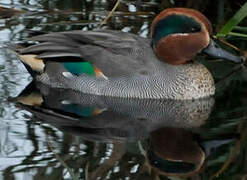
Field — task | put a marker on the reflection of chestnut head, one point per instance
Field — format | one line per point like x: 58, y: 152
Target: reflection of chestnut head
x: 175, y: 152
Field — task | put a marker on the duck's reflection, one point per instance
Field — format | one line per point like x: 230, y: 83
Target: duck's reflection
x: 175, y: 151
x: 166, y: 125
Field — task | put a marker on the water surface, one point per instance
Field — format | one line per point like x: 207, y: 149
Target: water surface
x: 68, y: 135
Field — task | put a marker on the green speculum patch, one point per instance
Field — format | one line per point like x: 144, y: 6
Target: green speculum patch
x: 174, y: 24
x: 78, y: 68
x: 78, y: 110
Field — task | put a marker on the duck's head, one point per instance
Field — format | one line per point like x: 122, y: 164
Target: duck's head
x: 178, y: 34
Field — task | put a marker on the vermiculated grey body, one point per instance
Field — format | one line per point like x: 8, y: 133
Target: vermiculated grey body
x: 128, y: 62
x: 174, y: 82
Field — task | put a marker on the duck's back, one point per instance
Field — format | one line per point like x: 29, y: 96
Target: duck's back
x: 115, y: 53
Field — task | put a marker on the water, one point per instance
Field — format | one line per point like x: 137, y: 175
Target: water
x: 74, y: 136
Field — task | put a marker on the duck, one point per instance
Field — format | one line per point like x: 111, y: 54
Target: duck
x: 121, y: 64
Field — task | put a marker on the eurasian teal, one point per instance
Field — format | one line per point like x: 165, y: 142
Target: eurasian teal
x: 120, y: 64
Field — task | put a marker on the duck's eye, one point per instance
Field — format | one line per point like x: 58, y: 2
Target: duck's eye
x: 195, y: 29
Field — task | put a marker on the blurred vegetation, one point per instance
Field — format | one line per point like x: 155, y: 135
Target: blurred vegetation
x: 240, y: 15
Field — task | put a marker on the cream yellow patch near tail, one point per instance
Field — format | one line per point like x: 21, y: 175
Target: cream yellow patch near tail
x: 35, y: 64
x: 33, y: 99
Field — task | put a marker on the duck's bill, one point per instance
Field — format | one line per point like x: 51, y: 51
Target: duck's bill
x: 215, y: 51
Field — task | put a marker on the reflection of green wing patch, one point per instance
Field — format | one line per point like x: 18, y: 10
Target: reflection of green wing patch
x: 78, y: 68
x: 79, y: 110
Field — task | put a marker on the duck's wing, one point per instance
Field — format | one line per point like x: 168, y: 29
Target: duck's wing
x: 115, y: 53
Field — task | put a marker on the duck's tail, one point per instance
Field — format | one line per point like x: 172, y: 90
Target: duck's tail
x: 33, y: 64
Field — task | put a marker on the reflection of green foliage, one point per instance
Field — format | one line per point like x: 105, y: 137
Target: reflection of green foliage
x: 233, y: 22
